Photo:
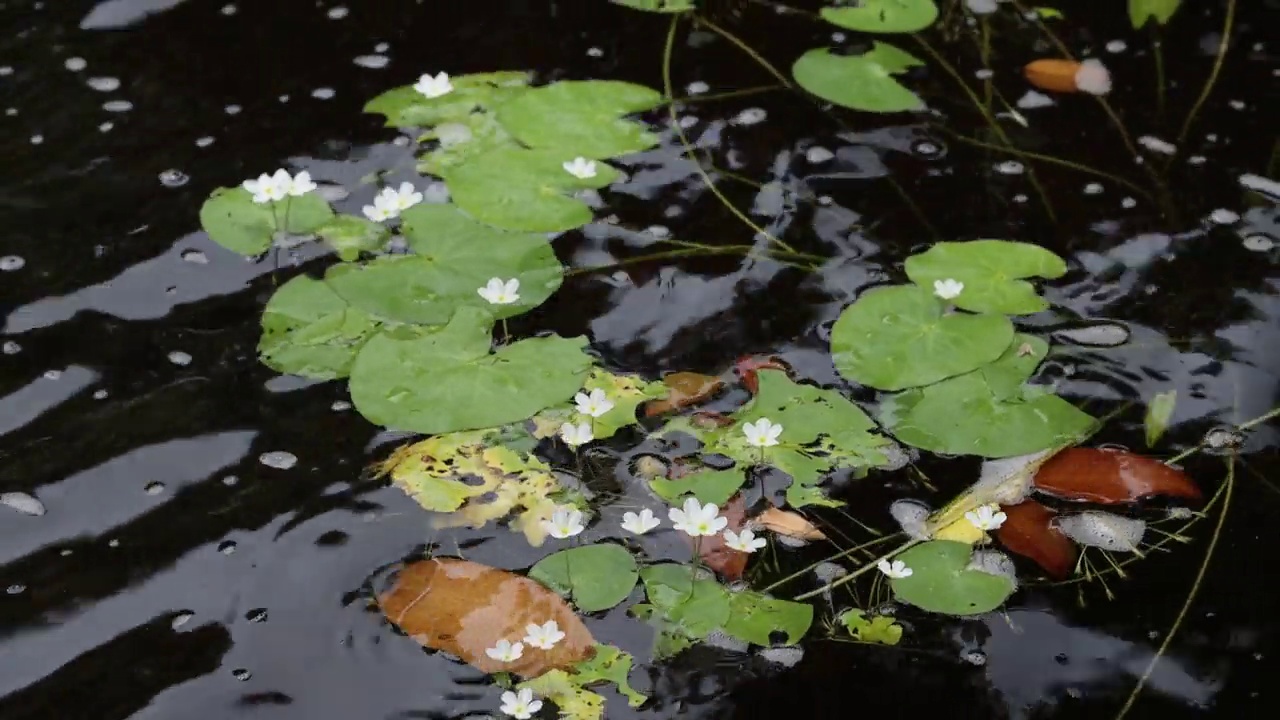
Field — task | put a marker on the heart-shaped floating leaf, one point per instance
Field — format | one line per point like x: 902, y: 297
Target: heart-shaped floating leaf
x: 477, y: 477
x: 582, y: 117
x: 455, y: 256
x: 464, y: 608
x: 1143, y: 11
x: 406, y: 107
x: 657, y: 6
x: 309, y: 330
x: 884, y: 16
x: 941, y: 580
x: 992, y: 272
x: 1110, y: 476
x: 351, y: 235
x: 625, y: 392
x: 861, y: 82
x: 899, y: 337
x: 449, y: 380
x: 233, y: 220
x: 517, y: 189
x: 1028, y: 530
x: 593, y: 577
x: 756, y: 618
x: 696, y: 606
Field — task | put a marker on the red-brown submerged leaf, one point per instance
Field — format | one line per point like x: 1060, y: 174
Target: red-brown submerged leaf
x: 747, y: 366
x: 1108, y: 476
x: 1028, y: 532
x: 463, y: 608
x: 1053, y: 74
x: 726, y: 561
x: 683, y: 389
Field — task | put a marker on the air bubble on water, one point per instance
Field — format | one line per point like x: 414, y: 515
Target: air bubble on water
x: 924, y: 148
x: 1236, y: 104
x: 977, y: 658
x: 1117, y: 46
x: 381, y: 47
x: 278, y: 459
x: 373, y: 62
x: 983, y: 74
x: 6, y: 69
x: 106, y: 127
x: 1258, y: 243
x: 177, y: 357
x: 838, y: 37
x: 340, y: 406
x: 1128, y: 203
x: 197, y: 257
x: 75, y: 64
x: 15, y: 589
x: 284, y: 98
x: 11, y: 263
x: 1093, y: 189
x: 11, y: 111
x: 828, y: 571
x: 37, y: 139
x: 52, y: 374
x: 173, y: 178
x: 688, y: 121
x: 228, y: 10
x: 401, y: 141
x: 230, y: 480
x: 818, y: 154
x: 1220, y: 438
x: 1009, y: 167
x: 337, y: 13
x: 182, y: 618
x: 23, y: 503
x: 595, y: 52
x: 658, y: 231
x: 323, y: 93
x: 785, y: 656
x: 1223, y: 216
x: 227, y: 547
x: 11, y: 348
x: 1197, y: 160
x: 1032, y: 100
x: 750, y: 116
x: 232, y: 109
x: 697, y: 87
x: 241, y: 674
x: 117, y: 106
x: 1103, y: 530
x: 114, y: 543
x: 1157, y: 145
x: 99, y: 394
x: 154, y: 488
x: 103, y: 84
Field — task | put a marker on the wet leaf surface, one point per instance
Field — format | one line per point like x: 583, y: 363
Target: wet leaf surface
x: 746, y: 369
x: 684, y: 389
x: 1029, y: 532
x: 594, y: 577
x: 1110, y: 476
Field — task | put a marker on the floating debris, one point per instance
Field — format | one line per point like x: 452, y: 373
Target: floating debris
x: 786, y: 656
x: 10, y: 263
x: 1032, y: 100
x: 154, y: 488
x: 75, y: 64
x: 1009, y: 167
x: 1258, y: 243
x: 750, y: 116
x: 337, y: 13
x: 173, y: 178
x: 373, y: 62
x: 1117, y: 46
x: 818, y: 154
x: 1223, y: 216
x: 1099, y: 335
x: 1156, y: 145
x: 11, y: 348
x: 1115, y: 533
x: 23, y: 503
x: 697, y: 87
x: 1259, y: 184
x: 324, y: 93
x: 177, y: 357
x: 278, y: 459
x: 182, y: 618
x: 117, y: 106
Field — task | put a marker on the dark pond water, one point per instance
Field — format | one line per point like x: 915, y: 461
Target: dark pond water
x: 175, y: 575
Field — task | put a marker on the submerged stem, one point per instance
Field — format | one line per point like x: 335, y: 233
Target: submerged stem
x: 837, y: 556
x: 1212, y: 80
x: 860, y: 571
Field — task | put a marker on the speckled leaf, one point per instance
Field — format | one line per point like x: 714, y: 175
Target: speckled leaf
x: 861, y: 82
x: 942, y: 582
x: 609, y: 664
x: 233, y: 220
x: 351, y: 235
x: 582, y: 117
x: 406, y: 107
x: 518, y: 189
x: 572, y: 700
x: 883, y: 16
x: 308, y: 330
x: 877, y: 629
x: 992, y: 272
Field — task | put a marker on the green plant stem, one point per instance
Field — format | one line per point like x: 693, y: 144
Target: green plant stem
x: 729, y: 94
x: 860, y: 571
x: 842, y: 554
x: 984, y: 52
x: 1242, y: 427
x: 703, y: 250
x: 750, y: 51
x: 667, y: 53
x: 1227, y: 26
x: 505, y: 335
x: 1190, y: 599
x: 288, y: 206
x: 1157, y: 49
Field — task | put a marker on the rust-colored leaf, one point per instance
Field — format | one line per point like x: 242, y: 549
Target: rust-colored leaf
x: 1027, y: 531
x: 747, y: 366
x: 1053, y: 74
x: 791, y: 524
x: 710, y: 420
x: 726, y: 561
x: 1104, y: 475
x: 683, y: 389
x: 464, y: 608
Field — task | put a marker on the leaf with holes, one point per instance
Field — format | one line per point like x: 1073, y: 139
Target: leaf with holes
x: 755, y: 617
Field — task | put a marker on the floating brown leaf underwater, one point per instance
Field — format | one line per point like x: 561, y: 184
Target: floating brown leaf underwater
x: 718, y: 556
x: 464, y: 608
x: 747, y: 366
x: 1029, y: 532
x: 1109, y: 476
x: 791, y: 524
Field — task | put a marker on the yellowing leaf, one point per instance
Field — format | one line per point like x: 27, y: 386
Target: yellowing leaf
x: 574, y: 702
x: 876, y: 629
x: 961, y: 531
x: 626, y: 392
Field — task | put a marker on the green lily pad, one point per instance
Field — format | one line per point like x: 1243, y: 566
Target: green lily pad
x: 709, y: 486
x: 609, y: 664
x: 594, y: 577
x: 582, y: 117
x: 657, y: 6
x: 899, y: 337
x: 518, y: 189
x: 406, y: 107
x: 449, y: 380
x: 460, y: 141
x: 861, y: 82
x: 941, y: 581
x: 755, y: 617
x: 992, y: 272
x: 697, y: 607
x: 308, y: 330
x: 447, y: 270
x: 1143, y: 11
x: 877, y: 629
x: 233, y: 220
x: 884, y: 16
x: 627, y: 393
x: 351, y: 235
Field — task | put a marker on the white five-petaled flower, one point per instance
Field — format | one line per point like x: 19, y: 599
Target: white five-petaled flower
x: 640, y: 524
x: 580, y: 167
x: 544, y: 636
x: 745, y: 541
x: 520, y: 706
x: 505, y: 651
x: 947, y: 289
x: 595, y: 404
x: 762, y: 433
x: 500, y: 292
x: 565, y: 522
x: 434, y: 87
x: 896, y: 569
x: 269, y: 188
x: 697, y: 519
x: 401, y: 198
x: 382, y: 209
x: 987, y: 517
x: 300, y: 184
x: 575, y: 435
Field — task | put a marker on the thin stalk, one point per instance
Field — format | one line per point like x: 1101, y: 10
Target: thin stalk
x: 1157, y: 49
x: 694, y: 99
x: 1227, y: 25
x: 667, y: 53
x: 750, y: 51
x: 984, y: 52
x: 860, y: 571
x: 842, y: 554
x: 1248, y: 425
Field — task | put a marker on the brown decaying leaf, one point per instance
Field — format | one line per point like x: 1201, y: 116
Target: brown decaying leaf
x: 683, y: 389
x: 726, y: 561
x: 1053, y: 74
x: 1107, y: 476
x: 1028, y: 532
x: 785, y: 522
x: 463, y: 608
x: 747, y: 366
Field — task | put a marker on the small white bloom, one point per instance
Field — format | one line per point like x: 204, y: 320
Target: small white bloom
x: 500, y: 292
x: 301, y: 184
x: 505, y: 651
x: 565, y: 522
x: 544, y: 636
x: 266, y: 188
x: 595, y: 404
x: 640, y: 524
x: 520, y: 706
x: 762, y: 433
x: 697, y: 519
x: 746, y: 541
x: 947, y: 289
x: 403, y: 198
x: 896, y: 569
x: 987, y: 517
x: 580, y: 167
x: 575, y: 435
x: 381, y: 210
x: 434, y: 87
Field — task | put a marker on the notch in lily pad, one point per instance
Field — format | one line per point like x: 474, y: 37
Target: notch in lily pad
x: 233, y: 220
x: 993, y: 273
x: 860, y: 82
